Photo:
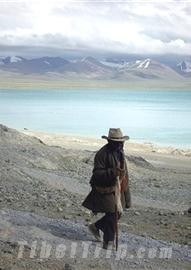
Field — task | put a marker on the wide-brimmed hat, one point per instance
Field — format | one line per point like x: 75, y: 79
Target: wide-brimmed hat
x: 115, y: 134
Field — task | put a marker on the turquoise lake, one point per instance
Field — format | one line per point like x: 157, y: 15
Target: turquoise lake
x: 161, y: 117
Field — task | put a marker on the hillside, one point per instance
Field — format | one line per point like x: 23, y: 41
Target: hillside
x: 42, y: 186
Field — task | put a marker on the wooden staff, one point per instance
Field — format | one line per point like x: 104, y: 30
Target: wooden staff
x: 118, y: 206
x: 116, y: 228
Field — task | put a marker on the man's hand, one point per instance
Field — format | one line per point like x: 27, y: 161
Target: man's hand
x: 120, y: 172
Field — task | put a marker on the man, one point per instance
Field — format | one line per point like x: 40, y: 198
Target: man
x: 110, y: 190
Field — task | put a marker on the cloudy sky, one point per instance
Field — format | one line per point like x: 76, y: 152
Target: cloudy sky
x: 129, y: 26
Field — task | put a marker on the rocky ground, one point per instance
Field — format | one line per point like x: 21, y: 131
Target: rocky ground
x: 43, y: 181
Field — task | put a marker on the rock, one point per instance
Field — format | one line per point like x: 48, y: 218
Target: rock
x: 9, y: 199
x: 157, y: 185
x: 12, y: 244
x: 68, y: 267
x: 36, y: 203
x: 144, y: 234
x: 139, y: 161
x: 187, y: 212
x: 161, y: 213
x: 40, y: 141
x: 162, y: 222
x: 136, y: 263
x: 68, y: 205
x: 3, y: 128
x: 137, y: 213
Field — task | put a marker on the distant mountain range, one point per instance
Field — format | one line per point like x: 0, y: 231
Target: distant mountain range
x: 129, y: 68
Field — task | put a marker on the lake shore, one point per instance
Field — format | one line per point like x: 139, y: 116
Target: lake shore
x: 50, y: 82
x: 170, y: 157
x: 92, y: 143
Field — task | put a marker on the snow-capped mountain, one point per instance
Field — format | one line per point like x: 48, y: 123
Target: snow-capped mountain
x: 145, y: 69
x: 90, y: 67
x: 27, y: 66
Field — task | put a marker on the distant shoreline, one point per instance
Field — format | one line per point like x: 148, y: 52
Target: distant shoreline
x: 11, y: 83
x: 91, y: 143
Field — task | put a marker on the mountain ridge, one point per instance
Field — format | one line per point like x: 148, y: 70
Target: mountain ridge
x: 92, y: 68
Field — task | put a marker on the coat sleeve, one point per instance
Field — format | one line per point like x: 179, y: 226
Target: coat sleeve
x: 102, y: 175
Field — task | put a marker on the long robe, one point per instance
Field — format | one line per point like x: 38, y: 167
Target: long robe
x: 104, y: 175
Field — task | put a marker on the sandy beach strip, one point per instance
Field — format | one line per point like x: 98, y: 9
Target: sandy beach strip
x: 169, y: 156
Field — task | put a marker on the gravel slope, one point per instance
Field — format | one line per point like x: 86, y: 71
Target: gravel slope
x: 43, y: 184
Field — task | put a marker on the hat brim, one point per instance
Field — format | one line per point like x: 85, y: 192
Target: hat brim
x: 124, y: 138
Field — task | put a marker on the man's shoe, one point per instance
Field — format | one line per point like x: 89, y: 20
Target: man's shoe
x: 94, y: 231
x: 108, y: 245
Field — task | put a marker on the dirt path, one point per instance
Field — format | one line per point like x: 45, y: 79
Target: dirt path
x: 71, y: 242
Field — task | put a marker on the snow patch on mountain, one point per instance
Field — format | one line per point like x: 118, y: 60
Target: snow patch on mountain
x: 46, y: 62
x: 144, y: 64
x: 185, y: 66
x: 15, y: 59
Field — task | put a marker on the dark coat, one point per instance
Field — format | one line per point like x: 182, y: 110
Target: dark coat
x: 105, y: 175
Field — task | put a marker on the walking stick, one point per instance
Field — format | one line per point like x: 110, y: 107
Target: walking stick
x: 118, y: 208
x: 116, y: 228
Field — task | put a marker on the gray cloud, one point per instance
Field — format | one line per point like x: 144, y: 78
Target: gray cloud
x: 118, y: 26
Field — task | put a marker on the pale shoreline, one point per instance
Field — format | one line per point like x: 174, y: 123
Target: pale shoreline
x: 56, y: 83
x: 166, y: 157
x: 80, y: 142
